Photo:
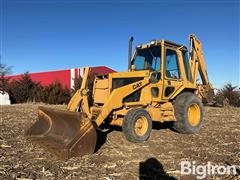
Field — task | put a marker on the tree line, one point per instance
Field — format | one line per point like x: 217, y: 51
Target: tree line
x: 25, y: 90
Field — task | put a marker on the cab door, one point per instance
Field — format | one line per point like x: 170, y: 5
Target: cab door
x: 172, y: 80
x: 153, y: 92
x: 155, y: 87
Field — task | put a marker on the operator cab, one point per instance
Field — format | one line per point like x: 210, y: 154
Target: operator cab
x: 149, y: 57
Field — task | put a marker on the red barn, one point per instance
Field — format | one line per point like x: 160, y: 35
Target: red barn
x: 65, y: 77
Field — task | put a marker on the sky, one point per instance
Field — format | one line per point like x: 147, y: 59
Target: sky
x: 45, y: 35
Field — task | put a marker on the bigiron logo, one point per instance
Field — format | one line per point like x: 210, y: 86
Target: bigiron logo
x: 204, y: 170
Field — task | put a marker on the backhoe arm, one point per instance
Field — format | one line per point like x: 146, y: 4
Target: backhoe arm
x: 198, y: 64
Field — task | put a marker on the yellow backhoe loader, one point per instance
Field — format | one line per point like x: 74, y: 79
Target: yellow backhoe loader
x: 160, y: 85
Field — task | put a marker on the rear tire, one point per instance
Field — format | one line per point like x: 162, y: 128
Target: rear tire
x: 188, y: 112
x: 137, y: 125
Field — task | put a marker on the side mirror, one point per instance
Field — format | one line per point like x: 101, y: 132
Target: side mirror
x: 155, y: 77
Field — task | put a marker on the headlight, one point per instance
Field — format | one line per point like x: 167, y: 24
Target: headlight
x: 139, y: 46
x: 152, y: 42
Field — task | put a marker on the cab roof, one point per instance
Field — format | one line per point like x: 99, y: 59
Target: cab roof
x: 158, y: 42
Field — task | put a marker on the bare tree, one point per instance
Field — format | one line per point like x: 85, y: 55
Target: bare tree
x: 5, y: 70
x: 4, y: 81
x: 228, y: 94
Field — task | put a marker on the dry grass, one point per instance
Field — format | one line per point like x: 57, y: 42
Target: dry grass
x: 218, y: 142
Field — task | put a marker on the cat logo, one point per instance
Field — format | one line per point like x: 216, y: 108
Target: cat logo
x: 135, y: 86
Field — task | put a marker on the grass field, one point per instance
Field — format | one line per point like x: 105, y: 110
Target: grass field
x: 159, y: 157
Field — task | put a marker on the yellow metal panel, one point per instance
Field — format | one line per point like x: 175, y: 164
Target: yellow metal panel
x: 165, y: 112
x: 100, y: 96
x: 117, y: 122
x: 139, y: 103
x: 101, y: 91
x: 130, y: 74
x: 101, y: 84
x: 146, y: 95
x: 121, y: 111
x: 155, y: 113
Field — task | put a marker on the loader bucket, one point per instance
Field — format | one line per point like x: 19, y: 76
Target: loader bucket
x: 64, y: 133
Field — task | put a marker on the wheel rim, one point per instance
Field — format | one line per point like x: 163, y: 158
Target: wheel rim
x: 194, y: 114
x: 141, y: 126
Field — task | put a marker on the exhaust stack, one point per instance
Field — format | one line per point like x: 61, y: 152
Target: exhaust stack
x: 130, y: 52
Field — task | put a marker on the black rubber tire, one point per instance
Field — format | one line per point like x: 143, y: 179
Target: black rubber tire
x: 181, y: 105
x: 129, y: 124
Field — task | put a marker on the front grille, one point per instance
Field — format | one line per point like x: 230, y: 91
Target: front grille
x: 120, y: 82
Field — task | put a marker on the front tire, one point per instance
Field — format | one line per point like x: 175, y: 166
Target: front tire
x: 188, y: 112
x: 137, y: 125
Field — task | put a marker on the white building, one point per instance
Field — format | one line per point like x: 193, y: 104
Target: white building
x: 4, y: 98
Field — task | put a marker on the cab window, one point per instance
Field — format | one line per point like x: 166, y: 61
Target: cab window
x: 172, y: 67
x: 148, y: 59
x: 187, y: 65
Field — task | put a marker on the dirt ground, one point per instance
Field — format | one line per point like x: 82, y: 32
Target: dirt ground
x: 158, y: 158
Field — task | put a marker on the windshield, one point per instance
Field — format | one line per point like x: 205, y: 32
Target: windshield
x: 148, y: 59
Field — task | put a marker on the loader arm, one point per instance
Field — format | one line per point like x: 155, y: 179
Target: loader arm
x: 115, y: 100
x: 197, y: 64
x: 80, y: 99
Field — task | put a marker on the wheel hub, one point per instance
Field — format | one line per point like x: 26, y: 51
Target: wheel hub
x: 141, y: 126
x: 194, y: 114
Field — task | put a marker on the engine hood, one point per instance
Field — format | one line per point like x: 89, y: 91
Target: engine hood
x: 144, y: 73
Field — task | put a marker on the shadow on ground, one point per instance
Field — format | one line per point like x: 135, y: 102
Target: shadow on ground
x: 152, y: 169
